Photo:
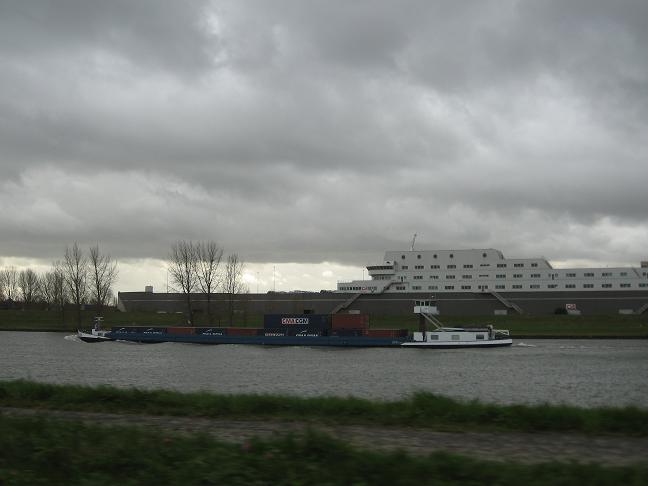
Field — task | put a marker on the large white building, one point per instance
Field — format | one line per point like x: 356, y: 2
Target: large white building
x: 487, y: 270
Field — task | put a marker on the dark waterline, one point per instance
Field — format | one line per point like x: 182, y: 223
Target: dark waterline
x: 578, y: 372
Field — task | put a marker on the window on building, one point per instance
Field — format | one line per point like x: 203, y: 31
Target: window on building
x: 466, y: 287
x: 571, y: 275
x: 588, y: 274
x: 518, y: 265
x: 570, y: 286
x: 484, y: 255
x: 624, y: 274
x: 625, y: 285
x: 501, y: 265
x: 466, y: 277
x: 418, y: 256
x: 404, y: 267
x: 500, y: 287
x: 468, y: 265
x: 450, y: 277
x: 552, y: 286
x: 434, y: 266
x: 534, y: 286
x: 500, y: 275
x: 607, y: 286
x: 588, y: 286
x: 535, y: 275
x: 449, y: 287
x: 419, y: 267
x: 416, y: 287
x: 418, y: 277
x: 433, y: 287
x: 517, y: 275
x: 452, y: 266
x: 434, y: 277
x: 402, y: 257
x: 534, y: 265
x: 643, y: 285
x: 451, y: 255
x: 517, y: 286
x: 606, y: 274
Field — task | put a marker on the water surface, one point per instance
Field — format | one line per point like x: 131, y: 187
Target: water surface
x: 579, y: 372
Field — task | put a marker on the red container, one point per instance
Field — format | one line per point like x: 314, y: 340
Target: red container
x: 243, y: 331
x: 181, y: 330
x: 349, y: 321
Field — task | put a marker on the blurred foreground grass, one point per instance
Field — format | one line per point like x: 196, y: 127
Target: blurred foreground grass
x: 419, y: 410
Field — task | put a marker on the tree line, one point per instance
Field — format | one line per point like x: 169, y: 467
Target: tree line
x: 79, y: 278
x: 87, y: 277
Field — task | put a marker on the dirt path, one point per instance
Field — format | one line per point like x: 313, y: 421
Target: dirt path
x: 518, y: 446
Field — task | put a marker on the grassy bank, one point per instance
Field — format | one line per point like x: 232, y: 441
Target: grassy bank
x: 51, y: 452
x: 420, y: 410
x: 554, y: 325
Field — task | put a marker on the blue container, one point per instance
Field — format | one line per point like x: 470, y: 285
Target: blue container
x: 211, y: 331
x: 313, y: 321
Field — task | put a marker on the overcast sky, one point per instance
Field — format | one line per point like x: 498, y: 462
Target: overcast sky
x: 302, y: 132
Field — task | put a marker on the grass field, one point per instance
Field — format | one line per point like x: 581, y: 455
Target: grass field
x: 40, y: 451
x: 420, y: 410
x: 553, y: 325
x: 52, y: 451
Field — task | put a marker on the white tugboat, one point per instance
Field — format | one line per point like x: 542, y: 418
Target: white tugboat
x: 96, y: 334
x: 453, y: 337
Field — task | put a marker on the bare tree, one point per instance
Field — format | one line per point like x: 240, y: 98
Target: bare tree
x: 2, y: 285
x: 182, y: 268
x: 103, y: 274
x: 233, y: 282
x: 53, y: 289
x: 9, y: 277
x: 208, y: 258
x: 75, y: 268
x: 28, y: 283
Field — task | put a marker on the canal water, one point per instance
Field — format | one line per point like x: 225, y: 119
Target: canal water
x: 579, y: 372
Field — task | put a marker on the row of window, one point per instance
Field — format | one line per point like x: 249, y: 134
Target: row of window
x: 451, y: 255
x: 502, y: 276
x: 451, y: 265
x: 520, y: 275
x: 497, y: 287
x: 518, y: 287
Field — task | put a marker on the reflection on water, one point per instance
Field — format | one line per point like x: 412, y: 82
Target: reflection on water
x: 580, y: 372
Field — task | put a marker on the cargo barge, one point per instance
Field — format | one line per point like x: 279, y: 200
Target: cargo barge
x: 338, y: 330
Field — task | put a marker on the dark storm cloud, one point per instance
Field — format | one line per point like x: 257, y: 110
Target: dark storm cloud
x: 312, y: 131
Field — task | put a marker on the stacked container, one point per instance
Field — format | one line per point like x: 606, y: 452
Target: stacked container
x: 296, y: 324
x: 349, y: 325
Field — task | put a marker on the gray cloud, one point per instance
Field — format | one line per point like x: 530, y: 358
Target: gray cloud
x: 294, y: 131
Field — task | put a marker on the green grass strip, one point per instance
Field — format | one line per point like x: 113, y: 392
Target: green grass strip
x: 420, y: 409
x: 41, y: 451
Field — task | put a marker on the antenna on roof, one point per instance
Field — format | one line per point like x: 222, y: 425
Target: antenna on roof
x: 413, y: 240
